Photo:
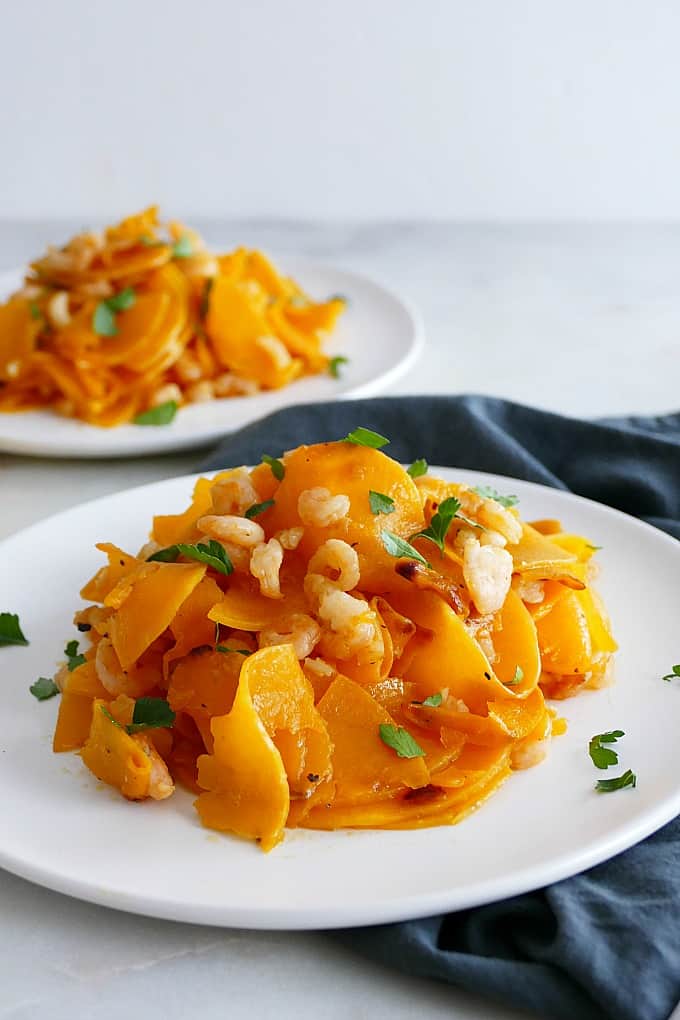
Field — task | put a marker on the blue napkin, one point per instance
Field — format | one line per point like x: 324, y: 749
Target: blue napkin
x: 605, y: 943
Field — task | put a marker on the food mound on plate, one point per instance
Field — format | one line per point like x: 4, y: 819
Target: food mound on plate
x: 139, y: 320
x: 330, y: 640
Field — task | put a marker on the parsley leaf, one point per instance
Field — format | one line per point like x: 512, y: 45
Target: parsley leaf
x: 211, y: 552
x: 434, y: 700
x: 365, y: 437
x: 417, y: 468
x: 277, y: 466
x: 235, y: 651
x: 441, y: 522
x: 104, y: 320
x: 399, y: 547
x: 204, y: 306
x: 10, y: 630
x: 380, y: 503
x: 488, y: 492
x: 182, y: 248
x: 334, y: 365
x: 43, y: 688
x: 673, y: 675
x: 104, y: 316
x: 150, y: 714
x: 603, y: 757
x: 124, y: 299
x: 108, y: 715
x: 258, y: 508
x: 163, y: 414
x: 34, y: 309
x: 618, y: 783
x: 401, y: 741
x: 73, y: 657
x: 517, y: 678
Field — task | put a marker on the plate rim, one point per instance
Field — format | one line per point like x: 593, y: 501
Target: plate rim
x: 407, y: 906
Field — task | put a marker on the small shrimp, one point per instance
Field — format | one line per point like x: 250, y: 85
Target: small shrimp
x: 532, y: 592
x: 290, y: 538
x: 319, y: 508
x: 492, y: 515
x: 265, y: 563
x: 239, y: 531
x: 338, y: 561
x: 487, y: 570
x: 354, y: 624
x: 299, y: 630
x: 135, y: 681
x: 234, y: 494
x: 58, y: 310
x: 160, y: 780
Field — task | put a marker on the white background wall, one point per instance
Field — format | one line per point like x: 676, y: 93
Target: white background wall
x: 500, y: 109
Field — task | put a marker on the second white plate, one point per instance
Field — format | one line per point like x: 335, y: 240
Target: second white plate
x: 64, y: 830
x: 379, y: 333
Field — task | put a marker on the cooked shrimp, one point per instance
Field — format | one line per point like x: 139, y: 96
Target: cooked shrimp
x: 234, y: 494
x: 160, y: 780
x: 338, y: 561
x: 299, y: 630
x: 135, y: 681
x: 318, y: 507
x: 239, y: 531
x: 265, y: 564
x: 290, y: 538
x: 487, y: 571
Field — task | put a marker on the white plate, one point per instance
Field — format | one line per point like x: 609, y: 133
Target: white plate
x: 380, y: 333
x: 62, y: 829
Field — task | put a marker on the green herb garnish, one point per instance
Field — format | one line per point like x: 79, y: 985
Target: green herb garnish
x: 434, y: 700
x: 43, y: 688
x: 108, y: 715
x: 161, y: 415
x: 488, y: 492
x: 277, y: 467
x: 673, y: 675
x: 399, y: 547
x: 10, y: 630
x: 104, y: 316
x: 258, y: 508
x: 380, y: 503
x: 334, y: 365
x: 73, y: 657
x: 603, y: 757
x: 417, y: 468
x: 210, y: 552
x: 182, y: 248
x: 34, y: 309
x: 517, y: 678
x: 366, y: 437
x: 618, y: 783
x: 441, y: 522
x: 235, y: 651
x: 205, y: 297
x: 150, y: 714
x: 401, y: 741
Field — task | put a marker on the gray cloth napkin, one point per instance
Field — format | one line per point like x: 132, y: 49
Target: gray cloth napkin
x: 605, y: 943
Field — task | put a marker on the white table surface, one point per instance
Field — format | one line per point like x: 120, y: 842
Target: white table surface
x: 580, y: 319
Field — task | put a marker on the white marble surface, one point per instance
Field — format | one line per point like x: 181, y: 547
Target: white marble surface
x: 581, y: 319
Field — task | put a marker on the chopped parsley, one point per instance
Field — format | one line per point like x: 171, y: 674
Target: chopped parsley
x: 277, y: 467
x: 73, y: 657
x: 380, y: 503
x: 366, y: 437
x: 334, y: 365
x: 417, y: 468
x: 399, y: 547
x: 618, y: 783
x: 150, y: 714
x: 440, y: 523
x: 104, y: 315
x: 434, y: 700
x: 258, y: 508
x: 488, y: 492
x: 211, y: 552
x: 517, y: 678
x: 182, y: 248
x: 232, y: 651
x: 43, y: 688
x: 10, y: 630
x: 673, y: 675
x: 603, y: 757
x: 34, y: 309
x: 401, y: 741
x: 161, y: 415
